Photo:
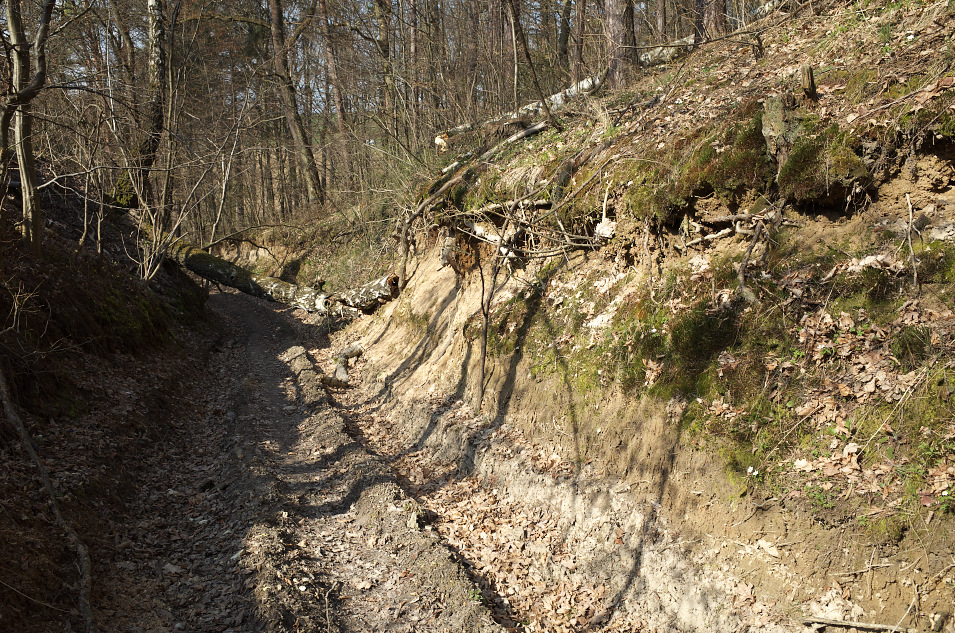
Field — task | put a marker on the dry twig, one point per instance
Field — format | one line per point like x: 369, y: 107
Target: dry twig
x: 849, y: 624
x: 82, y: 554
x: 908, y: 236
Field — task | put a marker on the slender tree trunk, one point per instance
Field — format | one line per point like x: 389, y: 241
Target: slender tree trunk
x: 383, y: 44
x: 16, y: 107
x: 548, y: 29
x: 527, y: 56
x: 289, y: 100
x: 580, y: 19
x: 699, y: 32
x: 335, y: 85
x: 154, y: 110
x: 32, y: 214
x: 715, y: 19
x: 661, y: 19
x: 563, y: 34
x: 414, y: 76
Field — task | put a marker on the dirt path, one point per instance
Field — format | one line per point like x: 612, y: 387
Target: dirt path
x: 265, y: 514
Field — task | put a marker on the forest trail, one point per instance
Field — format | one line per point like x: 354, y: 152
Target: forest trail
x: 269, y: 516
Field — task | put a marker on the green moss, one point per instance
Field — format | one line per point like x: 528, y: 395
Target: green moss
x: 937, y: 263
x: 887, y: 529
x: 935, y: 117
x: 135, y: 323
x: 822, y: 167
x: 911, y: 84
x: 647, y: 196
x: 124, y: 194
x: 746, y: 164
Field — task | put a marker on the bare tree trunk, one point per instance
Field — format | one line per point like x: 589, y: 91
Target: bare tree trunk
x: 563, y: 34
x: 620, y: 40
x: 699, y: 33
x: 715, y: 18
x: 527, y: 56
x: 335, y: 84
x: 579, y: 40
x: 154, y: 110
x: 290, y: 104
x: 383, y: 44
x: 18, y: 105
x: 661, y: 15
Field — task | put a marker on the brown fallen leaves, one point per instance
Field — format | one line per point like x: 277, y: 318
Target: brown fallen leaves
x: 856, y: 365
x: 515, y: 549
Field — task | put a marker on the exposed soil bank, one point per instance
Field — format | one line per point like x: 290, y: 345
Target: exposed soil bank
x: 665, y: 538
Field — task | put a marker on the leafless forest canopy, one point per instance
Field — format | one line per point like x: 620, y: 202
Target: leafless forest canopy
x: 211, y: 117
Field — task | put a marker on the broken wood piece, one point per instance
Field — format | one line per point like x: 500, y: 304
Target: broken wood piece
x: 351, y: 351
x: 339, y: 378
x: 366, y: 298
x: 332, y: 381
x: 867, y: 626
x: 741, y: 274
x: 808, y: 82
x: 710, y: 238
x: 341, y: 371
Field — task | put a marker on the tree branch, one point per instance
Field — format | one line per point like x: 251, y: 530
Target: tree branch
x: 82, y: 554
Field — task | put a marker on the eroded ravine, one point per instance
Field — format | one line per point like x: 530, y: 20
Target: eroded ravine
x: 554, y: 548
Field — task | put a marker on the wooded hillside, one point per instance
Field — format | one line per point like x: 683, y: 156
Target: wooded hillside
x: 213, y: 118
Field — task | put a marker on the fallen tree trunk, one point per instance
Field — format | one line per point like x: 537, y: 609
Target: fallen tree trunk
x: 366, y: 298
x: 555, y: 101
x: 372, y: 294
x: 226, y: 273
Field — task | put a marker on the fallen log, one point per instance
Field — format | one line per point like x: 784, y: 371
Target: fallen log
x: 349, y: 303
x: 555, y: 101
x: 226, y: 273
x: 372, y: 294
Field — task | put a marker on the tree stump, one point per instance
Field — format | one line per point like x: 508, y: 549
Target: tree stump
x: 808, y: 83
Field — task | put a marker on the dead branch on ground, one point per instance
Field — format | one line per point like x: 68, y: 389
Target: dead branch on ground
x: 82, y: 554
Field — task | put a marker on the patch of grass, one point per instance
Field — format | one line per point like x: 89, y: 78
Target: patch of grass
x: 861, y: 84
x: 911, y: 346
x: 937, y: 263
x: 877, y: 291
